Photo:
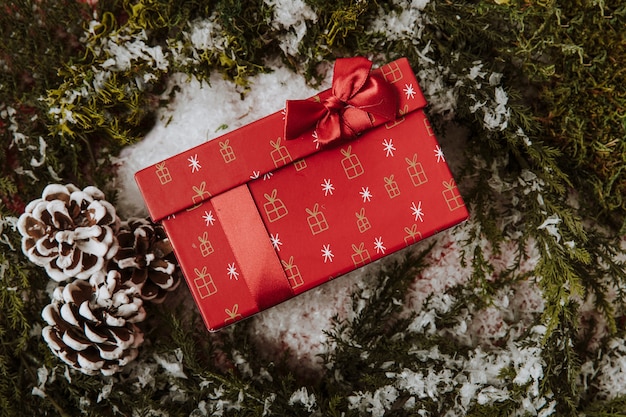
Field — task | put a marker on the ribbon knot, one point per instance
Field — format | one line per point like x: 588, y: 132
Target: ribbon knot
x: 357, y: 98
x: 334, y: 104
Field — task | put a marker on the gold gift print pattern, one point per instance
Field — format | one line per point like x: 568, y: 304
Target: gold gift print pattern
x: 280, y: 155
x: 452, y: 196
x: 200, y: 193
x: 163, y: 173
x: 416, y: 171
x: 316, y: 220
x: 412, y: 235
x: 274, y: 207
x: 205, y: 245
x: 300, y: 164
x: 293, y: 273
x: 360, y: 255
x: 227, y: 152
x: 351, y: 164
x: 392, y: 72
x: 232, y: 314
x: 362, y: 222
x: 204, y: 283
x: 429, y: 127
x: 391, y: 186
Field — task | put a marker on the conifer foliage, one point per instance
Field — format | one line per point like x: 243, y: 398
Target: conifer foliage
x: 535, y: 91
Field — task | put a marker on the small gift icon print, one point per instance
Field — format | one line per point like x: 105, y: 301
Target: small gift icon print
x: 429, y: 128
x: 163, y: 173
x: 351, y: 163
x: 204, y: 283
x: 451, y: 195
x: 362, y: 222
x: 227, y: 152
x: 300, y: 164
x: 280, y: 155
x: 205, y: 245
x: 361, y: 256
x: 392, y: 72
x: 232, y: 314
x: 412, y: 235
x: 398, y: 120
x: 416, y: 171
x: 316, y: 220
x: 200, y: 194
x: 293, y: 273
x: 274, y: 208
x: 391, y: 186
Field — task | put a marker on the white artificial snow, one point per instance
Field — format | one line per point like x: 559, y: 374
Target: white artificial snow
x: 124, y: 49
x: 172, y: 363
x: 406, y: 20
x: 375, y: 403
x: 8, y: 114
x: 6, y: 221
x: 205, y: 38
x: 550, y: 225
x: 291, y: 15
x: 302, y: 396
x: 204, y: 35
x: 498, y: 117
x: 105, y: 391
x: 476, y: 71
x: 609, y: 377
x: 496, y: 114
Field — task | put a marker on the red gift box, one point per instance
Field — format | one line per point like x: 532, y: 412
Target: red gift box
x: 255, y: 218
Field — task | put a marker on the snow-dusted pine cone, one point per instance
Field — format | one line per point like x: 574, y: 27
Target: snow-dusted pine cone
x: 91, y: 324
x: 69, y: 232
x: 146, y: 259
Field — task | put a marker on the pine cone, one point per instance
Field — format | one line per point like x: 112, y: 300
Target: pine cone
x: 69, y: 232
x: 91, y: 324
x: 146, y: 259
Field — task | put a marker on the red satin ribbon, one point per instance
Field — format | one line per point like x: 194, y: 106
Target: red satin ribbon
x: 357, y: 96
x: 259, y: 265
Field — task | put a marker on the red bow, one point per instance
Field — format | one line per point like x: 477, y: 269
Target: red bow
x: 357, y: 97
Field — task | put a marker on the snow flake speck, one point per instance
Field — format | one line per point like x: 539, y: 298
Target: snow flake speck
x: 476, y: 71
x: 302, y: 396
x: 172, y: 363
x: 291, y: 17
x: 550, y: 225
x: 126, y: 48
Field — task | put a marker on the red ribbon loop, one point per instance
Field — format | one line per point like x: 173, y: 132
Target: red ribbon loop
x: 357, y: 97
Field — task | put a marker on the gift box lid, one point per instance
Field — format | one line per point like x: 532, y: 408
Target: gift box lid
x: 195, y: 175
